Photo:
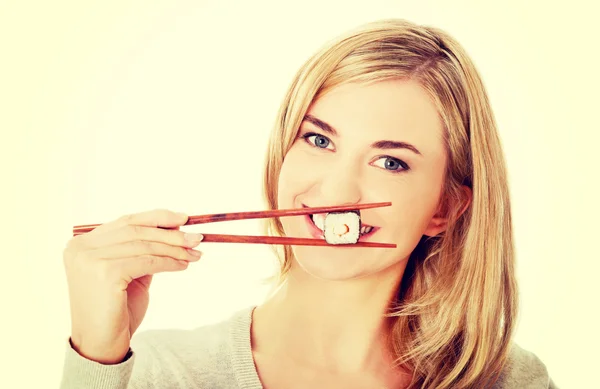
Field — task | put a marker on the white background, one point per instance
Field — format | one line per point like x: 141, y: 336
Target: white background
x: 116, y: 107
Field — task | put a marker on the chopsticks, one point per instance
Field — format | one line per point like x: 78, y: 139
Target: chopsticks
x: 219, y: 217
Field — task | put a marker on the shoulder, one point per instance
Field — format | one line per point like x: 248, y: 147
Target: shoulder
x: 524, y: 370
x: 211, y: 337
x: 185, y: 358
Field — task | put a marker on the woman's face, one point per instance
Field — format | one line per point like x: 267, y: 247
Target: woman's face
x: 361, y: 144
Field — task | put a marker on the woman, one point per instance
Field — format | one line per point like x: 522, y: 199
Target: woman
x: 389, y: 112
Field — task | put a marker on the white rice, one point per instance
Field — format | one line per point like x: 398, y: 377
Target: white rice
x: 342, y: 227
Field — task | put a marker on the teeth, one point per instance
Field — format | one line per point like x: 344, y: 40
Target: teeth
x: 365, y: 230
x: 319, y: 220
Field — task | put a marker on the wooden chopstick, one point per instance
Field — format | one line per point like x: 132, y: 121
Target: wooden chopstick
x: 220, y: 217
x: 286, y: 241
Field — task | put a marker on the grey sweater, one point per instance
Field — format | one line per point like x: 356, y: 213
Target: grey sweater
x: 220, y: 356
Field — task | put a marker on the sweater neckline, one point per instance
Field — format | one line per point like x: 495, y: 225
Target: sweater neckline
x: 242, y: 359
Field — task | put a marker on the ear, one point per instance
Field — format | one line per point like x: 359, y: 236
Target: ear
x: 439, y: 221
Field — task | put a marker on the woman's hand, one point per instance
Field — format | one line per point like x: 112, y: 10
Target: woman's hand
x: 109, y: 271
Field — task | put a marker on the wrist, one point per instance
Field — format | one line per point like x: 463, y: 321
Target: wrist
x: 112, y: 355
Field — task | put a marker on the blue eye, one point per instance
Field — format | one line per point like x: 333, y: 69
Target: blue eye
x: 392, y: 164
x: 319, y: 141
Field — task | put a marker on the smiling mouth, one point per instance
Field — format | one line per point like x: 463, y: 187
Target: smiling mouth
x: 365, y: 229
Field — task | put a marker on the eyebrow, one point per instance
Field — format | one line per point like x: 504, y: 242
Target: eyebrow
x: 381, y: 144
x: 321, y: 124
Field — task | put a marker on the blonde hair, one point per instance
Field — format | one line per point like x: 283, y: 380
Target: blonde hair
x: 455, y: 311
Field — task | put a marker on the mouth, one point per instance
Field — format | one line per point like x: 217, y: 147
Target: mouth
x: 316, y: 226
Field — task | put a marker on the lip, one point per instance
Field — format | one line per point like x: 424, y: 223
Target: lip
x: 365, y: 237
x: 313, y: 230
x: 316, y: 233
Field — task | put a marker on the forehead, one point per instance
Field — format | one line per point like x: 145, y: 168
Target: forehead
x: 398, y: 110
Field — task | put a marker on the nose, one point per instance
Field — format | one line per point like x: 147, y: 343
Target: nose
x: 340, y: 185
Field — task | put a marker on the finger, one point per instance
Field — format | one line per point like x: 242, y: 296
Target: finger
x: 163, y: 218
x: 156, y: 218
x: 139, y: 247
x: 129, y: 233
x: 139, y: 266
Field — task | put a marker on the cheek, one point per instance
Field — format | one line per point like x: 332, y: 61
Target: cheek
x: 414, y: 203
x: 292, y: 179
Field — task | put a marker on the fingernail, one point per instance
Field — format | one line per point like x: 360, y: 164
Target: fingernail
x: 192, y: 239
x: 195, y: 253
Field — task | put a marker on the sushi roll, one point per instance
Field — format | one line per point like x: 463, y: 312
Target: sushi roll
x: 342, y: 227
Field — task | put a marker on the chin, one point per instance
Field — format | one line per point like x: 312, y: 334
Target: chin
x: 327, y: 266
x: 340, y: 263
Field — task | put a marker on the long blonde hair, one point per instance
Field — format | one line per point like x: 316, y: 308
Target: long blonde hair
x: 455, y: 311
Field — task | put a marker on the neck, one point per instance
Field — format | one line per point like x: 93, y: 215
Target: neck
x: 336, y: 326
